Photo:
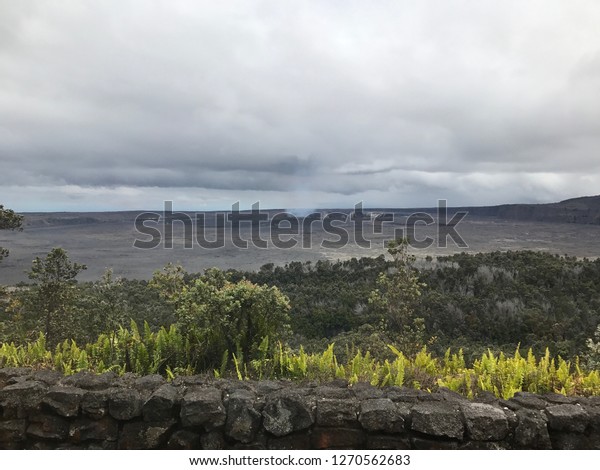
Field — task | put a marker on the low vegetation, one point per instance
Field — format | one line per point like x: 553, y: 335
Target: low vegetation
x: 170, y: 352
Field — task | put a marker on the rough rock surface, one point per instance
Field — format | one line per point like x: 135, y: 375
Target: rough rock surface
x: 287, y: 412
x: 381, y: 414
x: 485, y: 422
x: 203, y: 407
x: 243, y: 419
x: 438, y: 419
x: 42, y: 410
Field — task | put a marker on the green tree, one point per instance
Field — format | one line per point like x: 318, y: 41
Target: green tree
x: 111, y: 306
x: 169, y: 282
x: 16, y: 325
x: 396, y: 299
x: 592, y: 355
x: 220, y: 315
x: 104, y: 306
x: 54, y: 293
x: 9, y: 221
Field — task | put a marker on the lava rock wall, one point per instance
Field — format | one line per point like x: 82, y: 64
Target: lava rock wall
x: 44, y: 410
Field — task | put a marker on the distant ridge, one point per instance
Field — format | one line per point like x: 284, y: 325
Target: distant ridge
x: 580, y: 210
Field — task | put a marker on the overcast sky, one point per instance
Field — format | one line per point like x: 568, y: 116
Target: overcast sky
x: 123, y: 104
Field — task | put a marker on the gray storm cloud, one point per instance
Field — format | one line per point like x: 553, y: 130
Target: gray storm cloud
x: 313, y: 103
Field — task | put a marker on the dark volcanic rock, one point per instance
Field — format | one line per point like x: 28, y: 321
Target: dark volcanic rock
x: 381, y: 414
x: 572, y: 418
x: 485, y: 445
x: 440, y: 419
x: 95, y: 404
x: 287, y: 412
x: 149, y: 383
x: 337, y: 412
x: 47, y: 376
x: 571, y: 441
x: 213, y: 440
x: 90, y: 381
x: 528, y: 400
x: 19, y: 399
x: 365, y: 391
x: 145, y: 435
x: 162, y: 404
x: 589, y: 401
x: 13, y: 430
x: 485, y: 422
x: 48, y: 427
x: 12, y: 375
x: 558, y: 399
x: 409, y: 395
x: 511, y: 418
x: 486, y: 397
x: 125, y: 404
x: 85, y: 429
x: 203, y: 407
x: 135, y: 412
x: 184, y: 440
x: 243, y: 420
x: 422, y: 443
x: 297, y: 441
x: 448, y: 395
x: 532, y: 430
x: 266, y: 387
x: 329, y: 392
x: 388, y: 442
x: 64, y: 401
x: 594, y: 418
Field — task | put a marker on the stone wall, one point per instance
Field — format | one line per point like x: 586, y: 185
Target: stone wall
x: 44, y: 410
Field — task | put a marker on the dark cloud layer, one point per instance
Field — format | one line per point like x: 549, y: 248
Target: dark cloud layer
x: 122, y: 104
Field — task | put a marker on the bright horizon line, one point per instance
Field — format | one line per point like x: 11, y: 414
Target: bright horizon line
x: 248, y: 207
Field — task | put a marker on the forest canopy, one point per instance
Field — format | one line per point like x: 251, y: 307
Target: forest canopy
x: 383, y: 320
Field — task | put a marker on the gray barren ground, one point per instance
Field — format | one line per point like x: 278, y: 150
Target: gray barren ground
x: 106, y: 239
